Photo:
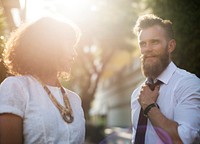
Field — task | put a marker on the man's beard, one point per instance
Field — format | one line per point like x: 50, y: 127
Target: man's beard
x: 155, y: 68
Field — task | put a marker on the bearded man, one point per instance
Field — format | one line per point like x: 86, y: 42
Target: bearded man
x: 166, y: 107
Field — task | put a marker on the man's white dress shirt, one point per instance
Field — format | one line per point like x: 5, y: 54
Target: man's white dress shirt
x: 179, y: 100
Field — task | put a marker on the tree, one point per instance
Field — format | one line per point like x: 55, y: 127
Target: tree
x: 185, y: 16
x: 102, y: 41
x: 104, y: 35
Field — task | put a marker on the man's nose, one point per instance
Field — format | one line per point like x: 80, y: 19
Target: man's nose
x: 148, y: 48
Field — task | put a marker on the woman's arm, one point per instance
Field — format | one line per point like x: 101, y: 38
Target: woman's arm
x: 11, y: 129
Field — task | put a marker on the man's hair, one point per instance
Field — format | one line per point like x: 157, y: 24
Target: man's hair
x: 150, y: 20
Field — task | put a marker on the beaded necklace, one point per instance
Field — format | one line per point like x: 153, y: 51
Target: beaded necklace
x: 66, y: 112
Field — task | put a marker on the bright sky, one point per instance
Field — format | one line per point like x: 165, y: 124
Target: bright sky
x: 72, y: 8
x: 35, y: 9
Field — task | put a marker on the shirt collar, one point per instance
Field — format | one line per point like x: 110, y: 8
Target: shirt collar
x: 167, y: 73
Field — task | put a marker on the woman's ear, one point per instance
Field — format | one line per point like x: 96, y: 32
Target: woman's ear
x: 171, y: 45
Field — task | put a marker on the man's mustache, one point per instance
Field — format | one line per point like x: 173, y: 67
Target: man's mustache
x: 144, y: 56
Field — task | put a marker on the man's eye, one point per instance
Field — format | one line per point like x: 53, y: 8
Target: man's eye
x: 155, y: 42
x: 142, y: 44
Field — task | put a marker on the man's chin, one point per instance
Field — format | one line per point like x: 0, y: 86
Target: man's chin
x: 149, y: 64
x: 149, y: 68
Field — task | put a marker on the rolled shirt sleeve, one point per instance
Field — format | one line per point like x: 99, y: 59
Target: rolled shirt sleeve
x: 187, y: 112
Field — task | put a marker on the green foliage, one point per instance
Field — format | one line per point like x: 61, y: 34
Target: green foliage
x: 185, y: 16
x: 2, y: 44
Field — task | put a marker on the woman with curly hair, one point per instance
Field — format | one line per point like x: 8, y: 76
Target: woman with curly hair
x: 34, y: 106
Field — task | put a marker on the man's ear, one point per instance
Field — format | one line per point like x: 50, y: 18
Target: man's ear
x: 171, y: 45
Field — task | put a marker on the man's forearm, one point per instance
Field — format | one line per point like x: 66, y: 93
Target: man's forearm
x: 170, y: 127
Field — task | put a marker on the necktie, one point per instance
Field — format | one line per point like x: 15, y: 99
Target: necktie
x: 142, y: 122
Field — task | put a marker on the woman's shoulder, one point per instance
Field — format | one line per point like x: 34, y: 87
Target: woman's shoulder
x: 12, y: 80
x: 72, y: 94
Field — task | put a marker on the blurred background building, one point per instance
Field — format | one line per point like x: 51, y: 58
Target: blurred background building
x: 113, y: 97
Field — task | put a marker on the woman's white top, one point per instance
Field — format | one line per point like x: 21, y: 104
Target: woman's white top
x: 42, y: 122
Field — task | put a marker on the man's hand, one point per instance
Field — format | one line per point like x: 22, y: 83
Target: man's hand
x: 147, y: 96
